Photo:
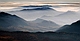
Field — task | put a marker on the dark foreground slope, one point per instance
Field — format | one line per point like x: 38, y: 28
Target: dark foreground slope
x: 39, y: 36
x: 73, y: 28
x: 10, y: 22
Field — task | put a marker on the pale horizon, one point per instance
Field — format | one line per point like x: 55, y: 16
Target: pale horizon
x: 40, y: 1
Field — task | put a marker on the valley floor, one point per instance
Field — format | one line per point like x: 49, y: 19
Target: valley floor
x: 39, y: 36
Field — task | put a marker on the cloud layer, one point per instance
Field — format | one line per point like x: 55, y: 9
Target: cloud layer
x: 40, y: 0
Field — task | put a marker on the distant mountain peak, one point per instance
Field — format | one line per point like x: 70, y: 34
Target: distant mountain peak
x: 68, y: 13
x: 33, y: 7
x: 37, y: 6
x: 45, y: 16
x: 71, y: 12
x: 42, y: 8
x: 39, y: 19
x: 42, y: 20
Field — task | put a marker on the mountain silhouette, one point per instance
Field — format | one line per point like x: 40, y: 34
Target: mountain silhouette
x: 73, y: 28
x: 37, y: 6
x: 67, y: 13
x: 46, y: 23
x: 32, y: 7
x: 42, y: 8
x: 67, y: 17
x: 49, y: 25
x: 10, y: 22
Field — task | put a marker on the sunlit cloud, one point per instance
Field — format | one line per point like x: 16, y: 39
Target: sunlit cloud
x: 39, y: 0
x: 64, y: 9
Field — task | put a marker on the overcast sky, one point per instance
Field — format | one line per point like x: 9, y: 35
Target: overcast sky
x: 39, y: 0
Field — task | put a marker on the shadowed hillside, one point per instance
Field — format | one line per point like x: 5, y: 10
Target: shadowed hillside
x: 38, y: 36
x: 73, y: 28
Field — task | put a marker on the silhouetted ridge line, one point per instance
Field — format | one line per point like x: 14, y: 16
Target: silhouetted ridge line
x: 10, y: 22
x: 4, y: 14
x: 76, y: 23
x: 37, y: 6
x: 73, y: 28
x: 43, y: 8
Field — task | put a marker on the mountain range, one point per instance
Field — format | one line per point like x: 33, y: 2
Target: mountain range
x: 12, y: 28
x: 65, y: 33
x: 31, y: 7
x: 37, y: 6
x: 66, y: 17
x: 42, y: 8
x: 34, y: 14
x: 48, y: 25
x: 10, y: 22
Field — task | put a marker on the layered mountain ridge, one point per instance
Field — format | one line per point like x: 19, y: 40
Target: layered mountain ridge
x: 10, y: 22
